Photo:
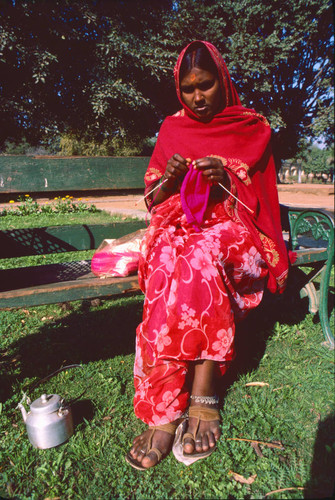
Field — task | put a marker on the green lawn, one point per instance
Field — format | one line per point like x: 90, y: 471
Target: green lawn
x: 292, y: 412
x: 41, y: 220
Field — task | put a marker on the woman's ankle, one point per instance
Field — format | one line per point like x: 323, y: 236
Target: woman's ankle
x: 206, y: 401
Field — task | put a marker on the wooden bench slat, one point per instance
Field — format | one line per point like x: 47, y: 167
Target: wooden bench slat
x: 85, y: 288
x: 309, y: 255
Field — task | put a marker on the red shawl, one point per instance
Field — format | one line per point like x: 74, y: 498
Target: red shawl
x: 241, y: 139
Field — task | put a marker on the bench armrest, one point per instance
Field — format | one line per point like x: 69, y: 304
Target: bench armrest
x: 308, y: 228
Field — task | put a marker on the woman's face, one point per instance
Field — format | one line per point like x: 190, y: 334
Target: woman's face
x: 200, y: 91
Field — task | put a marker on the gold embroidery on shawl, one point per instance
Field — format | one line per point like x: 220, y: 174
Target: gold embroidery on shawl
x: 153, y: 174
x: 261, y: 117
x: 179, y: 113
x: 281, y: 280
x: 230, y: 204
x: 237, y: 166
x: 272, y: 256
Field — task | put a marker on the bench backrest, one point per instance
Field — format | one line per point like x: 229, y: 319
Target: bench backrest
x: 58, y: 239
x: 24, y: 174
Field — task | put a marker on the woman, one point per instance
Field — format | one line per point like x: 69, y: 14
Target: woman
x: 207, y: 255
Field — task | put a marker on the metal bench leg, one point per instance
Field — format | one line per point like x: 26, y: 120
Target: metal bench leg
x: 309, y: 291
x: 323, y: 306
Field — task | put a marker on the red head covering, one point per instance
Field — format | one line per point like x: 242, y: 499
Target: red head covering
x: 240, y: 137
x: 227, y: 88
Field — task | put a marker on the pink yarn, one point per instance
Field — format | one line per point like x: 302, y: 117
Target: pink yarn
x: 194, y: 195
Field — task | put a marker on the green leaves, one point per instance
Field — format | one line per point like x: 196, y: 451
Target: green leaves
x: 95, y: 68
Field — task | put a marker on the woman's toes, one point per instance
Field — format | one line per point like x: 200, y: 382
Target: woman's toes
x: 149, y: 460
x: 211, y: 440
x: 201, y: 443
x: 189, y: 445
x: 136, y: 453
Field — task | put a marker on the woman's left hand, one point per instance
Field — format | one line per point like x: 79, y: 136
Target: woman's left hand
x: 212, y: 168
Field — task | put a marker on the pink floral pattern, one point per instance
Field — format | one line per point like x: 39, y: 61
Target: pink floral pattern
x: 197, y: 286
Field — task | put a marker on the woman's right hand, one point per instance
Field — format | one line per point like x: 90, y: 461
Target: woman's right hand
x: 176, y: 169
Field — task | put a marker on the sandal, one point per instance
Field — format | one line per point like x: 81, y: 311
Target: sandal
x: 169, y: 428
x: 201, y: 413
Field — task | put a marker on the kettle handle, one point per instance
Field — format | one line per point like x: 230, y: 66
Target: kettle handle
x: 38, y: 382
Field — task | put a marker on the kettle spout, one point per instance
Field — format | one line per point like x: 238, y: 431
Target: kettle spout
x: 23, y: 411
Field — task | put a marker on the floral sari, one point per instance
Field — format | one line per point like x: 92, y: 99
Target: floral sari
x: 199, y: 282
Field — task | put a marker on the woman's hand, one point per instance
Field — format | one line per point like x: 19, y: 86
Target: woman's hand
x: 213, y: 169
x: 176, y: 169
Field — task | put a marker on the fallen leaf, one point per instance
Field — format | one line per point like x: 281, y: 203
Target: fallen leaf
x: 281, y: 387
x: 274, y: 444
x: 260, y: 384
x: 282, y: 489
x: 242, y: 479
x: 16, y: 358
x: 257, y: 449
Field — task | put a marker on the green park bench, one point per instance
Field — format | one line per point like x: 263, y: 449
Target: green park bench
x: 310, y: 233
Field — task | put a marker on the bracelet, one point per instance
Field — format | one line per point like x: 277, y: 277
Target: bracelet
x: 208, y: 400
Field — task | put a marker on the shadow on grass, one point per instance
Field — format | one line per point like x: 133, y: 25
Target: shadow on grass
x: 253, y: 333
x: 82, y: 336
x: 322, y: 481
x: 82, y: 410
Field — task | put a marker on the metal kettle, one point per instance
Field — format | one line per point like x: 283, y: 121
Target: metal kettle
x: 48, y: 422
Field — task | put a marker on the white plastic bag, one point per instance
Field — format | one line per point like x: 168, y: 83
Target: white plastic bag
x: 118, y: 257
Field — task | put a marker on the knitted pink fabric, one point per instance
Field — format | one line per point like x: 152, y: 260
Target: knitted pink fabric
x: 194, y: 195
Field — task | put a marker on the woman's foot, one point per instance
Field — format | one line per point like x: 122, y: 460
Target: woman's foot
x: 151, y: 446
x: 206, y: 432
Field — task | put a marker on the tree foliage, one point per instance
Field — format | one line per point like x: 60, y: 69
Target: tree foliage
x: 100, y: 71
x: 318, y: 161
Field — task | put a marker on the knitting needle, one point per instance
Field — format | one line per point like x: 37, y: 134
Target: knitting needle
x: 144, y: 197
x: 188, y: 161
x: 223, y: 187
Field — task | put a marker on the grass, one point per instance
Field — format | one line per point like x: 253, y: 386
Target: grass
x: 41, y: 220
x: 293, y: 413
x: 295, y: 409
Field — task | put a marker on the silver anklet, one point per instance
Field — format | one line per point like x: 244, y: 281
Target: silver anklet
x: 208, y: 400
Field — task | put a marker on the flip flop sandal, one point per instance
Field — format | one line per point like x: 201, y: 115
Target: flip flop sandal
x: 201, y: 413
x: 169, y: 428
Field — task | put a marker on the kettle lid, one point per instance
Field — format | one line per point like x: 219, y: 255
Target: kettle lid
x: 47, y: 403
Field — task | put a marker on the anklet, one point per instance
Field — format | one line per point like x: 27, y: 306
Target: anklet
x: 209, y: 400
